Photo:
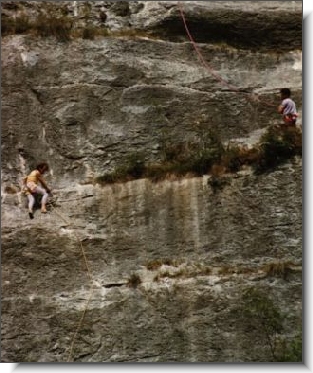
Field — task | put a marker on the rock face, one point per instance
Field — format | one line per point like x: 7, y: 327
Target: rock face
x: 161, y: 271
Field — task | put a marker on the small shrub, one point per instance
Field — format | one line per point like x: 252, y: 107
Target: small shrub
x: 230, y: 270
x: 154, y: 264
x: 11, y: 5
x: 167, y: 274
x: 210, y: 156
x: 120, y: 8
x: 227, y: 270
x: 181, y: 272
x: 232, y: 158
x: 217, y: 170
x: 86, y: 11
x: 262, y: 315
x: 64, y: 11
x: 7, y: 25
x: 278, y: 269
x: 49, y: 25
x: 102, y: 31
x: 201, y: 163
x: 217, y: 183
x: 157, y: 263
x: 18, y: 25
x: 293, y: 136
x: 89, y: 32
x: 134, y: 281
x: 159, y: 171
x: 207, y: 271
x: 102, y: 16
x: 204, y: 271
x: 9, y: 189
x: 133, y: 168
x: 172, y: 152
x: 291, y: 351
x: 135, y: 165
x: 45, y: 25
x: 22, y: 25
x: 103, y: 179
x: 276, y: 146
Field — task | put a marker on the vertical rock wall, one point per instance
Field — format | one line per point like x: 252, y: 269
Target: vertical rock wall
x: 166, y: 271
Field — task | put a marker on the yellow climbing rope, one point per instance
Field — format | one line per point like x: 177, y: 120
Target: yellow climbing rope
x: 80, y: 322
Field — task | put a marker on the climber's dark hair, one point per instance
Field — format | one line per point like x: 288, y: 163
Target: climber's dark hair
x: 286, y: 92
x: 42, y: 165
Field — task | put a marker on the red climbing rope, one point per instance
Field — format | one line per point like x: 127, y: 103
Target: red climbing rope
x: 251, y: 96
x: 198, y: 51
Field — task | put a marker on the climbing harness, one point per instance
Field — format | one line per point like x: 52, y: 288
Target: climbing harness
x: 290, y: 119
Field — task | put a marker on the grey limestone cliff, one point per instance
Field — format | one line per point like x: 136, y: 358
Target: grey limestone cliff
x: 165, y: 271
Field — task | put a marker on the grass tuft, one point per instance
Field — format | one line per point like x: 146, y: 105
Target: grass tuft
x: 211, y: 157
x: 134, y: 281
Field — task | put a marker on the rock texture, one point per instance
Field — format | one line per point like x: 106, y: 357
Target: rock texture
x: 88, y: 103
x: 168, y: 262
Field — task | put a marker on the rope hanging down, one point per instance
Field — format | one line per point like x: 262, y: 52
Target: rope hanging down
x: 251, y: 96
x: 80, y: 322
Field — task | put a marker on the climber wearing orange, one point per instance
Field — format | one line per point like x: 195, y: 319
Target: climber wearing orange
x: 32, y: 187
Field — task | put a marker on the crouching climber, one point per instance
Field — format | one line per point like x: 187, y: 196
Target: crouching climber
x: 287, y: 108
x: 32, y: 188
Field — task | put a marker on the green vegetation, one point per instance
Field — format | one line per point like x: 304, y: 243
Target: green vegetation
x: 88, y: 33
x: 230, y: 270
x: 276, y: 146
x: 134, y: 167
x: 278, y: 269
x: 180, y: 268
x: 184, y: 273
x: 134, y: 281
x: 255, y: 312
x: 211, y: 157
x: 274, y: 269
x: 18, y: 25
x: 261, y: 316
x: 157, y: 263
x: 217, y: 183
x: 291, y: 351
x: 44, y: 25
x: 50, y: 25
x: 57, y: 23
